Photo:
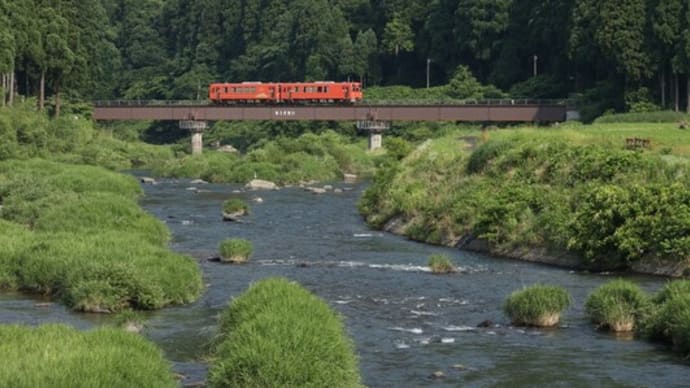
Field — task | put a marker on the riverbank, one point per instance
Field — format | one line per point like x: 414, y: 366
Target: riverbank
x: 566, y: 197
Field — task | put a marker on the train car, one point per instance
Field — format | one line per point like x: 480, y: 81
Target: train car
x: 245, y: 92
x: 285, y: 93
x: 320, y: 92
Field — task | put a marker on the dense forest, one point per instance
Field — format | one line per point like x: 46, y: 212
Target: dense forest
x: 613, y: 54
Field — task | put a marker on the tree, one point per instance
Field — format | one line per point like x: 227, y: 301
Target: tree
x: 365, y: 54
x: 397, y: 36
x: 479, y: 27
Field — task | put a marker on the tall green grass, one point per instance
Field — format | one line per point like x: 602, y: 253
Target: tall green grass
x: 537, y: 305
x: 76, y: 233
x: 58, y: 356
x: 277, y: 334
x: 669, y: 320
x: 235, y: 250
x: 618, y: 305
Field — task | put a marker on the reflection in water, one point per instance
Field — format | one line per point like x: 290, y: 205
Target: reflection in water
x: 406, y: 322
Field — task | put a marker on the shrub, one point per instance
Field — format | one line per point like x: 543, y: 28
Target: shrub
x: 440, y: 264
x: 617, y: 305
x: 670, y: 323
x: 537, y: 305
x: 277, y: 334
x: 235, y: 206
x: 60, y: 356
x: 235, y: 250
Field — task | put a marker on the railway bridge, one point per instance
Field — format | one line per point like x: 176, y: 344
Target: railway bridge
x: 373, y: 118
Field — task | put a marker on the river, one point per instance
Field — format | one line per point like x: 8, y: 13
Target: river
x: 406, y: 322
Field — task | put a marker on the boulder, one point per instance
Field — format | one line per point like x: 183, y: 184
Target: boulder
x: 316, y: 190
x: 328, y: 188
x: 437, y: 375
x: 198, y: 182
x: 259, y: 184
x: 228, y: 149
x: 350, y: 178
x: 257, y: 200
x: 147, y: 180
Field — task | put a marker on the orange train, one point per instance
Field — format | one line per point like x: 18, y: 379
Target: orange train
x: 285, y: 92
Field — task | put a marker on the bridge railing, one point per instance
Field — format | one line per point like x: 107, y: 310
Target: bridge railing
x: 502, y: 101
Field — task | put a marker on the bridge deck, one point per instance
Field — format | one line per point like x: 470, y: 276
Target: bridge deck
x: 466, y: 112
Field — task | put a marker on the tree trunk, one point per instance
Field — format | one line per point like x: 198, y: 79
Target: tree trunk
x: 663, y: 89
x: 57, y: 98
x: 11, y: 99
x: 2, y: 87
x: 676, y: 92
x: 687, y: 92
x: 42, y: 92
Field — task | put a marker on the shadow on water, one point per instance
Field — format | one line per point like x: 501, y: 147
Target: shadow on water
x: 406, y: 322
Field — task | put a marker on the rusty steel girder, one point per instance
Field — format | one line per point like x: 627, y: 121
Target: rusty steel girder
x: 468, y: 112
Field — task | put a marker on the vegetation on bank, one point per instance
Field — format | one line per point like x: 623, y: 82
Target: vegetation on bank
x: 323, y: 157
x: 619, y: 306
x: 537, y: 305
x: 76, y: 233
x: 669, y: 320
x: 27, y: 134
x: 574, y: 190
x: 59, y: 356
x: 235, y: 250
x: 278, y: 334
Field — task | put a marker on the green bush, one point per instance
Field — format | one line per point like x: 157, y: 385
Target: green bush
x: 618, y: 305
x: 277, y: 334
x: 537, y: 305
x: 440, y: 264
x: 59, y: 356
x: 670, y: 323
x: 235, y: 250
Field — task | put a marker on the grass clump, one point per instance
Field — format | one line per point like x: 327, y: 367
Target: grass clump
x: 60, y: 356
x: 278, y: 334
x: 537, y: 305
x: 235, y: 250
x: 441, y: 264
x: 236, y: 207
x: 669, y: 321
x: 618, y: 305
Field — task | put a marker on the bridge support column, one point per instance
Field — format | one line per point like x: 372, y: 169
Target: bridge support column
x: 375, y: 128
x: 197, y: 129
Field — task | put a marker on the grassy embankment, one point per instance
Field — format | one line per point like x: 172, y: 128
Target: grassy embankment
x: 573, y: 189
x: 76, y: 232
x: 278, y: 334
x: 59, y: 356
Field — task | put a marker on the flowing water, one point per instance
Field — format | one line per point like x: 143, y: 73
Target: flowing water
x: 406, y: 322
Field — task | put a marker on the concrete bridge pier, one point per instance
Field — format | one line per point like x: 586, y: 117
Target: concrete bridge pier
x: 375, y: 129
x: 197, y: 129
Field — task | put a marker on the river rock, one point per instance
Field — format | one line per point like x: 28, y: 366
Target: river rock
x: 485, y: 323
x: 338, y: 190
x: 350, y: 178
x: 328, y: 188
x: 228, y: 148
x: 316, y: 190
x: 259, y: 184
x: 198, y: 182
x: 133, y: 327
x: 257, y: 200
x: 234, y: 216
x: 437, y: 375
x: 147, y: 180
